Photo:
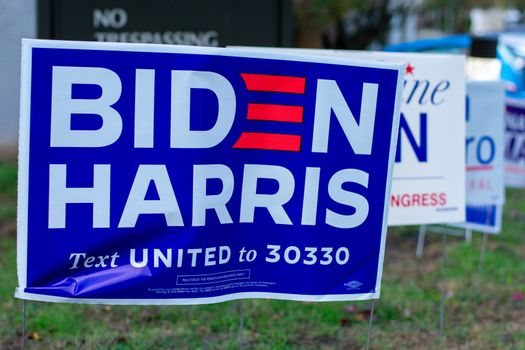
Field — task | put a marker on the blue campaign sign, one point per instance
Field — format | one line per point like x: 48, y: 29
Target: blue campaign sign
x: 485, y: 218
x: 515, y: 143
x: 179, y: 175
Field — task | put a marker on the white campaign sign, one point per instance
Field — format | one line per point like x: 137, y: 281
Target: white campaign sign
x: 485, y: 142
x: 484, y: 149
x: 429, y: 174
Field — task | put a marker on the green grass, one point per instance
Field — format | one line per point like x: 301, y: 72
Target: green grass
x: 406, y: 317
x: 7, y: 191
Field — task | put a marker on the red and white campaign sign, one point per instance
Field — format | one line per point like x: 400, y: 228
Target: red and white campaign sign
x: 429, y: 174
x: 485, y: 142
x: 515, y: 143
x: 428, y: 184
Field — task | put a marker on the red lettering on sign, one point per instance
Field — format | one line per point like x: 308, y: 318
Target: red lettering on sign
x: 432, y: 199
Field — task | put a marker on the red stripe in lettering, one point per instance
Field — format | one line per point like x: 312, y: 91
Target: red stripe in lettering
x: 274, y: 83
x: 266, y: 141
x: 277, y: 113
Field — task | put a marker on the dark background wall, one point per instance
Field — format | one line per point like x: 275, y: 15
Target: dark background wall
x: 197, y: 22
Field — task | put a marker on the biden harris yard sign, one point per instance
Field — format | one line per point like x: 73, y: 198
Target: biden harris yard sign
x: 428, y: 184
x: 174, y: 175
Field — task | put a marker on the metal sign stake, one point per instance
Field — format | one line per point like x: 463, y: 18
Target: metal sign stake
x: 482, y: 253
x: 241, y: 324
x: 23, y: 324
x: 483, y: 250
x: 370, y: 324
x: 421, y: 241
x: 468, y: 235
x: 443, y: 288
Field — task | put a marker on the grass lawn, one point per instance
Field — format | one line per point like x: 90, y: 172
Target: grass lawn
x: 485, y: 315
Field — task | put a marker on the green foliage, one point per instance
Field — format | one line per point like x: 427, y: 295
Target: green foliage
x: 8, y: 175
x: 324, y: 12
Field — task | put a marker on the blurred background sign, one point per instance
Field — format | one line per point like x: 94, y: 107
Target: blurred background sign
x: 197, y: 22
